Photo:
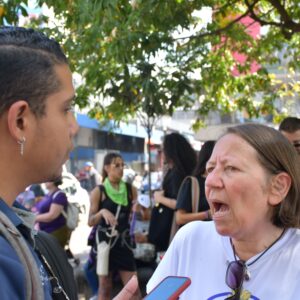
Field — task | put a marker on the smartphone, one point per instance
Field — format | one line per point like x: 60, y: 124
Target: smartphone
x: 169, y: 288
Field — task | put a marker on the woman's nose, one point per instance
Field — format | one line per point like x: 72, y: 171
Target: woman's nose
x: 214, y: 179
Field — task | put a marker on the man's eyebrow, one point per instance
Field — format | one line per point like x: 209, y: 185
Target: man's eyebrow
x: 71, y: 99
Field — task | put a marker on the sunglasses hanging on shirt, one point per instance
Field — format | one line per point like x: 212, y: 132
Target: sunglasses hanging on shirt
x: 237, y: 271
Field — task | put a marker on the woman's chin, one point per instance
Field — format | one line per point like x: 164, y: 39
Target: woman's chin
x: 222, y: 229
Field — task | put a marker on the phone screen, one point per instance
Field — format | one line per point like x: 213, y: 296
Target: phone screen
x: 170, y: 288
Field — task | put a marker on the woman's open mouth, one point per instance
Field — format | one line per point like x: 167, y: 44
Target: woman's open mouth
x: 219, y: 208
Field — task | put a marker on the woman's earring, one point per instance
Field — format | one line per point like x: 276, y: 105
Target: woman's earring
x: 22, y: 143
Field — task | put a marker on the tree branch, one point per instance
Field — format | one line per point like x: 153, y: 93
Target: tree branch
x: 287, y: 25
x: 218, y: 31
x: 281, y: 10
x: 286, y: 18
x: 255, y: 17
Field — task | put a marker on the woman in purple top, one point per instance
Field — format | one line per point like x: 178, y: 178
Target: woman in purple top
x: 50, y: 217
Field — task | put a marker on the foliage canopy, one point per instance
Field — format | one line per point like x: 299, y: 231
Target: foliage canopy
x: 155, y: 56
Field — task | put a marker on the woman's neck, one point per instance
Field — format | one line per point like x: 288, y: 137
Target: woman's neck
x: 52, y: 189
x: 247, y: 248
x: 114, y: 183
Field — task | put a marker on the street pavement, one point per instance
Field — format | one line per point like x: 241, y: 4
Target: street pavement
x: 80, y: 249
x: 78, y: 242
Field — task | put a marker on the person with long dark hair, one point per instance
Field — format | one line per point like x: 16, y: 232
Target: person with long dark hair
x: 181, y: 159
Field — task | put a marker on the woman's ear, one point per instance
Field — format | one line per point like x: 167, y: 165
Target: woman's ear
x: 17, y: 116
x: 281, y: 184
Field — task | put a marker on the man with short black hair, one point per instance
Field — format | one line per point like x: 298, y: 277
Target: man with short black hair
x: 290, y: 128
x: 37, y: 126
x: 36, y: 130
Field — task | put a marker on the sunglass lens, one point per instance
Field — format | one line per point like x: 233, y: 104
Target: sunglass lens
x: 235, y: 274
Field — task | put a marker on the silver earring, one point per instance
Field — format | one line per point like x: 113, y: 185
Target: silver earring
x: 22, y: 143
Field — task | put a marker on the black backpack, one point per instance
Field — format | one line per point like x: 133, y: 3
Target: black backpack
x: 56, y: 262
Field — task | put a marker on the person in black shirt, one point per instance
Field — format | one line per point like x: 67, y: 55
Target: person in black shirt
x: 184, y: 212
x: 180, y: 158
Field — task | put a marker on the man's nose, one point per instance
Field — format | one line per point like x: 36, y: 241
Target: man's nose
x: 74, y: 127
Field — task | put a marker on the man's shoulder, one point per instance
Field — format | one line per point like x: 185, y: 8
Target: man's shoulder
x: 12, y: 274
x: 7, y: 251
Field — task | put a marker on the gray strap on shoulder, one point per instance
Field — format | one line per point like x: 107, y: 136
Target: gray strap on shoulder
x: 195, y: 191
x: 63, y: 212
x: 34, y: 289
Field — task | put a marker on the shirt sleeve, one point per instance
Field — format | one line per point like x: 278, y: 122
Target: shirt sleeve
x: 61, y: 199
x: 184, y: 197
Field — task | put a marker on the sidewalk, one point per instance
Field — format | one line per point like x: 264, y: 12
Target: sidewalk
x: 80, y: 249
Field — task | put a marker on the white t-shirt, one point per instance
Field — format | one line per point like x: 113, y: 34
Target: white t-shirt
x: 199, y: 252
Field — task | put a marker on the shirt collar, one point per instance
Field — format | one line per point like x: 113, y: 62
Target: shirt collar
x: 21, y: 218
x: 8, y: 211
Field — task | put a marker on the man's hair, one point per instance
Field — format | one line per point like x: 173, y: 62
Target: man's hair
x: 290, y: 124
x: 27, y: 60
x: 276, y: 155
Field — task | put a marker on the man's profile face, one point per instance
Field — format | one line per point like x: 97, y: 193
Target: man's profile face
x: 55, y: 130
x: 294, y: 138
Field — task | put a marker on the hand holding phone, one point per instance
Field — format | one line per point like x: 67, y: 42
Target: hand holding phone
x: 169, y: 288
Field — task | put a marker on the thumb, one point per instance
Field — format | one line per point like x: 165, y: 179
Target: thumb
x: 128, y: 290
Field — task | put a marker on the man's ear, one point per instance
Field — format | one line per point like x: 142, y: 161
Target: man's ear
x: 281, y: 184
x: 17, y: 119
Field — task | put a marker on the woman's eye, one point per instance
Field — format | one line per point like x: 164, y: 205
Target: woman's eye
x: 230, y: 168
x: 209, y: 169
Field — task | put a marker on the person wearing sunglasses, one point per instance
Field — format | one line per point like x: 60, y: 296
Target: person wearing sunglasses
x: 111, y: 206
x: 290, y: 128
x: 251, y: 250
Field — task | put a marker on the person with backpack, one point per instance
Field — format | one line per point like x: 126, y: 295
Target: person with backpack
x: 110, y: 211
x: 51, y: 216
x: 49, y: 212
x: 37, y: 126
